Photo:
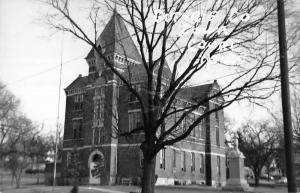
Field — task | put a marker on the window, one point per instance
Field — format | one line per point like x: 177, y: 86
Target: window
x: 174, y: 158
x: 217, y: 118
x: 192, y: 161
x: 196, y: 127
x: 183, y: 124
x: 77, y: 129
x: 137, y: 88
x: 96, y: 136
x: 68, y: 158
x: 162, y: 160
x: 141, y: 159
x: 218, y: 136
x: 217, y: 126
x: 218, y: 166
x: 202, y: 129
x: 78, y: 102
x: 183, y: 161
x: 201, y: 163
x: 135, y: 120
x: 99, y: 108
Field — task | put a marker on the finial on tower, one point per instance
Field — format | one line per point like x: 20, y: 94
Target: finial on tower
x: 115, y: 5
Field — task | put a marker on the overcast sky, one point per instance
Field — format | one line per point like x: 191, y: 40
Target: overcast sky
x: 30, y: 57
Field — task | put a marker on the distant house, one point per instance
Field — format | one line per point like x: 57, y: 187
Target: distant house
x: 98, y: 103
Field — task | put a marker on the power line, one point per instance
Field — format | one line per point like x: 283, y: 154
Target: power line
x: 44, y: 71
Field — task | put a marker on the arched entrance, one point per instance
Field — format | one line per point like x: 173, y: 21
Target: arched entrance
x: 96, y: 165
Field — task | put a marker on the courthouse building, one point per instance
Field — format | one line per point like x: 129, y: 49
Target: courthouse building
x: 98, y: 104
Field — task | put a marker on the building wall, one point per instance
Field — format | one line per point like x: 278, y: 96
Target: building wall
x: 123, y: 157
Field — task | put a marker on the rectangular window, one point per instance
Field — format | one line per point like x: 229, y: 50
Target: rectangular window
x: 174, y: 158
x: 201, y: 163
x: 183, y: 167
x: 192, y: 161
x: 141, y: 159
x: 183, y: 125
x: 198, y: 130
x: 218, y: 166
x: 68, y: 158
x: 77, y: 129
x: 217, y: 118
x: 203, y: 129
x: 135, y: 120
x: 96, y: 136
x: 99, y: 102
x: 218, y: 136
x: 137, y: 88
x: 178, y: 128
x: 78, y: 102
x: 162, y: 158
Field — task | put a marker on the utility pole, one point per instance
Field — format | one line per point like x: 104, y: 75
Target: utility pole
x: 57, y: 122
x: 285, y: 96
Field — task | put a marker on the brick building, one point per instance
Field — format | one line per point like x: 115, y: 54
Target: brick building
x: 98, y: 104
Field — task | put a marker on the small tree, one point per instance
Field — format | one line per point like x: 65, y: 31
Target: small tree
x: 18, y: 147
x: 39, y: 149
x: 258, y: 142
x: 8, y: 109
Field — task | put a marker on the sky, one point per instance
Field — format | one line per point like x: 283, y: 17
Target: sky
x: 30, y: 55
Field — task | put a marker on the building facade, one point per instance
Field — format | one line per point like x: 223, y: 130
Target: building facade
x: 98, y: 105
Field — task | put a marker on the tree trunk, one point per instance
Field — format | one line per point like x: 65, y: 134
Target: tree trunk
x: 256, y: 176
x: 38, y: 178
x: 18, y: 180
x: 38, y: 175
x: 149, y: 178
x: 12, y: 179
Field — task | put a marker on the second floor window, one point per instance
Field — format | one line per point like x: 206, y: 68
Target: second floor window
x: 99, y: 107
x: 217, y: 136
x: 201, y: 163
x: 218, y: 166
x: 137, y: 88
x: 183, y: 161
x: 77, y: 129
x: 141, y: 159
x: 78, y: 102
x: 162, y: 159
x: 97, y: 135
x: 193, y: 161
x: 202, y: 129
x: 135, y: 120
x: 174, y: 158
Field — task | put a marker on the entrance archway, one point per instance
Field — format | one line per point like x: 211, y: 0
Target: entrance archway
x: 96, y: 166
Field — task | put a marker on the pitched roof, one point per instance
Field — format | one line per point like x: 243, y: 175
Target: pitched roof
x: 195, y: 92
x: 166, y: 70
x: 116, y: 38
x: 79, y: 82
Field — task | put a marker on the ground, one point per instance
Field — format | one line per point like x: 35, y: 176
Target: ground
x: 29, y: 186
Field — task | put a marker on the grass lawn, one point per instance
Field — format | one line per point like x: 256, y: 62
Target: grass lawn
x: 28, y: 185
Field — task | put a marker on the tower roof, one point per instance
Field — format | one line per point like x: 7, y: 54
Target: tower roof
x: 116, y: 38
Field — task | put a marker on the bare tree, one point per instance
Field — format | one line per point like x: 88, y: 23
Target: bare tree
x: 39, y: 149
x: 296, y: 117
x: 18, y: 147
x: 193, y: 35
x: 258, y: 142
x: 8, y: 109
